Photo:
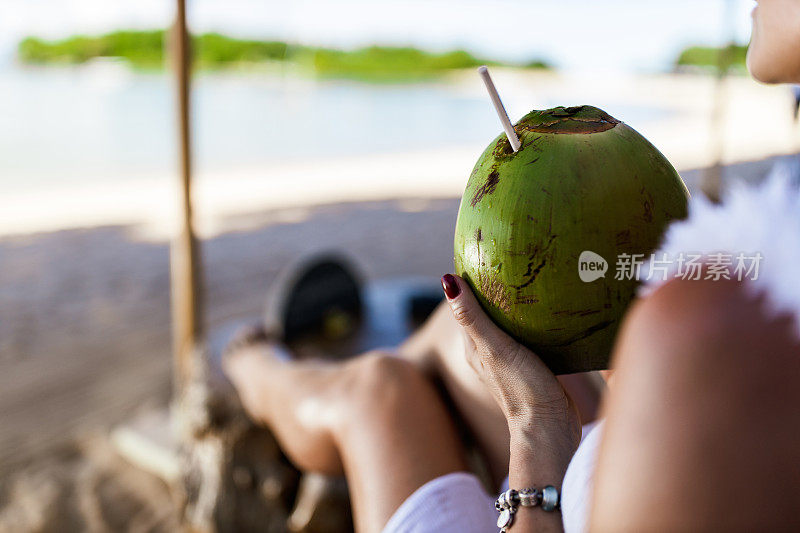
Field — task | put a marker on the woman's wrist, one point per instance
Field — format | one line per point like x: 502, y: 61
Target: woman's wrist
x: 558, y: 426
x: 540, y: 456
x: 527, y: 408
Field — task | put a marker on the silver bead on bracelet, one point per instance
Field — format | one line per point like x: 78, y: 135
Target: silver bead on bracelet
x: 509, y: 502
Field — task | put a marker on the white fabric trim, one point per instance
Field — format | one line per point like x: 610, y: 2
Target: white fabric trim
x: 453, y: 503
x: 458, y: 503
x: 576, y: 491
x: 761, y: 218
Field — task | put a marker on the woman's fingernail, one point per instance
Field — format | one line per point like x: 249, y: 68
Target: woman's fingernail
x: 450, y: 286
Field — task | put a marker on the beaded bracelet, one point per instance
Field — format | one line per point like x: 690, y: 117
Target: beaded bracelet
x: 509, y: 502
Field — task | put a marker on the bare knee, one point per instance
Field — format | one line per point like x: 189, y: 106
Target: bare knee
x: 379, y: 384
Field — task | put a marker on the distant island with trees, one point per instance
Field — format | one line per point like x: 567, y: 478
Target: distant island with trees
x: 146, y: 50
x: 732, y: 57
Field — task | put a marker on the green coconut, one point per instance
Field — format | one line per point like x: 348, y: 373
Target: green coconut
x: 532, y: 224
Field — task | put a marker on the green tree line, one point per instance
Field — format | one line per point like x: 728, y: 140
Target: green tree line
x: 145, y: 49
x: 728, y: 57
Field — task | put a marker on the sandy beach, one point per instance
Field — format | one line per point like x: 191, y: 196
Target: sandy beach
x: 84, y: 326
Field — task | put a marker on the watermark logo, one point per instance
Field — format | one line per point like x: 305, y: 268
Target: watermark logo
x: 591, y: 266
x: 690, y: 266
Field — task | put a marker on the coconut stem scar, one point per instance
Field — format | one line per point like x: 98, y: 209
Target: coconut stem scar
x: 498, y: 106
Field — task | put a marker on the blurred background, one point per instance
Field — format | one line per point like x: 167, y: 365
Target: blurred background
x: 318, y: 125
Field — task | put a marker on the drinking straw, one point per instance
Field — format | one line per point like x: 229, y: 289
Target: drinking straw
x: 501, y: 110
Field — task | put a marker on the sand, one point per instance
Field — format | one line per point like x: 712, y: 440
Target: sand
x: 84, y: 325
x: 85, y: 487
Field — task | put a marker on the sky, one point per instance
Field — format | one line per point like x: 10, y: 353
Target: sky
x: 643, y: 35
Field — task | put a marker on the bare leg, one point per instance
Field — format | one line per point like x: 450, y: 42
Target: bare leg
x: 703, y: 429
x: 376, y: 419
x: 438, y: 349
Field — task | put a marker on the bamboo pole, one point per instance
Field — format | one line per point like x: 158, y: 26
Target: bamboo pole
x: 184, y: 252
x: 712, y: 178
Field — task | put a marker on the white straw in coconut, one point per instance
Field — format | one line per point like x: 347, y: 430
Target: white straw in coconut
x: 498, y: 106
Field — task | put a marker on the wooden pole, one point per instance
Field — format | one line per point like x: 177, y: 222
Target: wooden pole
x: 713, y: 176
x: 184, y: 252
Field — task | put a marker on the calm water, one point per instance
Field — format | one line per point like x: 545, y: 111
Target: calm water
x: 103, y: 122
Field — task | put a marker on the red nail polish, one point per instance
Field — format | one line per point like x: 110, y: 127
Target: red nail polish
x: 450, y: 286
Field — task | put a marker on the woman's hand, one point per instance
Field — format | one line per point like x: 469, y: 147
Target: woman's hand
x: 543, y: 422
x: 533, y: 401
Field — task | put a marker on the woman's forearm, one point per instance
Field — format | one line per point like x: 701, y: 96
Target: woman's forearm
x: 538, y: 459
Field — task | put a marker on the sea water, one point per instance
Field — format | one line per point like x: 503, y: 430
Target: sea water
x: 63, y: 126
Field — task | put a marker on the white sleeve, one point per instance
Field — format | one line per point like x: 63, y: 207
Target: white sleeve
x: 576, y: 490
